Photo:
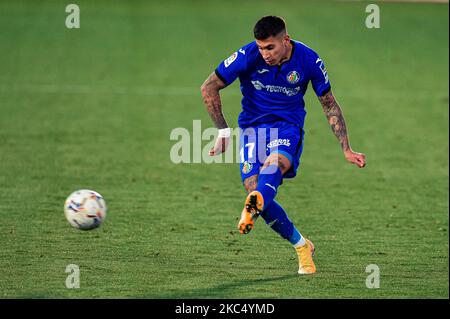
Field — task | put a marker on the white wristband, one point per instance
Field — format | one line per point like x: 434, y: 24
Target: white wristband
x: 225, y: 132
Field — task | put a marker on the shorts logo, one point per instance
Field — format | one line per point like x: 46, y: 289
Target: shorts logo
x: 247, y: 167
x: 231, y: 59
x: 276, y: 143
x: 293, y: 77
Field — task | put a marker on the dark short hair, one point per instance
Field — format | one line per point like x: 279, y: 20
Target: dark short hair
x: 268, y: 26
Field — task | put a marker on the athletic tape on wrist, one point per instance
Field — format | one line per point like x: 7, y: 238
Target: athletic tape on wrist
x: 225, y: 132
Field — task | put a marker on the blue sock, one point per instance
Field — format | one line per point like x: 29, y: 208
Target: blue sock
x: 268, y: 181
x: 275, y: 216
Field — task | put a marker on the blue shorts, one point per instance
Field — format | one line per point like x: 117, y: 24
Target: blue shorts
x: 257, y: 143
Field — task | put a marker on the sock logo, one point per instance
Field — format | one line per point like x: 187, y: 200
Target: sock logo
x: 274, y: 189
x: 272, y: 222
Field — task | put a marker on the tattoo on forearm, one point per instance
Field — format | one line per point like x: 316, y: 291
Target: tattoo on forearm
x: 335, y: 119
x: 211, y: 98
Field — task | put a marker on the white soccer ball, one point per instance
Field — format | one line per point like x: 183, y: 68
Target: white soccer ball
x: 85, y: 209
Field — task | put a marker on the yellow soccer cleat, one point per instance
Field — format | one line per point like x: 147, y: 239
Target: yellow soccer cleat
x: 254, y: 204
x: 305, y: 261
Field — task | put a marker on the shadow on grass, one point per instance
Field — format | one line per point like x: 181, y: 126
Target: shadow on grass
x: 226, y: 290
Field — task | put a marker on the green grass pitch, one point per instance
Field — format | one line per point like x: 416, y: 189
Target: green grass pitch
x: 94, y: 107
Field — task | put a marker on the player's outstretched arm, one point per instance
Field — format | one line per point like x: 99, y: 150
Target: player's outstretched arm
x: 336, y: 120
x: 211, y: 97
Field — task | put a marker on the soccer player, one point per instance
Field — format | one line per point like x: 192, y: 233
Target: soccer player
x: 274, y: 72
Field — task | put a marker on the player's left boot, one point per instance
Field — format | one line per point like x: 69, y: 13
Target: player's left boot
x: 305, y: 261
x: 254, y: 204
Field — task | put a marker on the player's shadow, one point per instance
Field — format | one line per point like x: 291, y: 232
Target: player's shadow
x: 227, y: 289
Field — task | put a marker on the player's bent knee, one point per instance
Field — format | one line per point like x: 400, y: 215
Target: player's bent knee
x: 279, y: 160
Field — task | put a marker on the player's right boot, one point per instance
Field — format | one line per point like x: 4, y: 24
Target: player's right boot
x: 254, y: 204
x: 305, y: 260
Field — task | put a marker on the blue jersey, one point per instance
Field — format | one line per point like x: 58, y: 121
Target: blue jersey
x: 273, y: 93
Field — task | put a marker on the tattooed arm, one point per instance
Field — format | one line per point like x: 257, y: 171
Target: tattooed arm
x: 210, y: 92
x: 211, y: 97
x: 336, y: 120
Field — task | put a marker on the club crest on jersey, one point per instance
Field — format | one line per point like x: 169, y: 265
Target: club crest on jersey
x: 231, y: 59
x: 293, y: 77
x: 247, y: 167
